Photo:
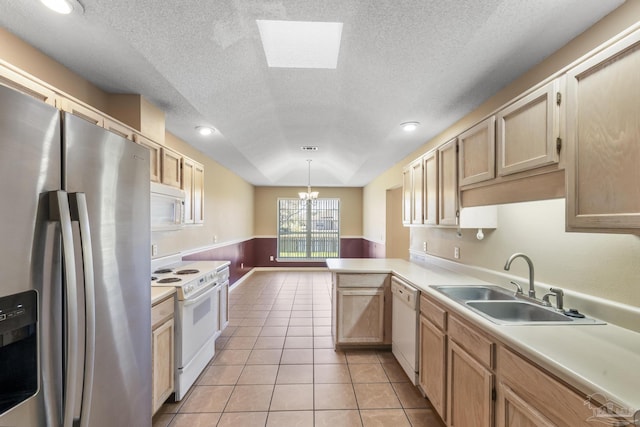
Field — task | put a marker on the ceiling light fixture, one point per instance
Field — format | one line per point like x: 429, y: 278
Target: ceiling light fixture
x: 205, y: 130
x: 409, y: 126
x: 64, y: 7
x: 300, y: 44
x: 309, y: 195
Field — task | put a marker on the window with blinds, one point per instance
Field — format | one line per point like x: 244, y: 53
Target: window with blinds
x: 308, y: 229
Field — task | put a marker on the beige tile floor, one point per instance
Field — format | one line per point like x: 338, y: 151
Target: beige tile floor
x: 275, y: 366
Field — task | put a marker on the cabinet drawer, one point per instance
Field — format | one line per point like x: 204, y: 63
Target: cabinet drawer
x: 161, y: 312
x: 474, y: 343
x: 362, y: 280
x: 433, y: 312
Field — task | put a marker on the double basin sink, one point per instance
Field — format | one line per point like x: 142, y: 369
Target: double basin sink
x: 502, y: 307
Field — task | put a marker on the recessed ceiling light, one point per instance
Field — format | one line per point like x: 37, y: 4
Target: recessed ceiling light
x: 205, y: 130
x: 300, y: 44
x: 409, y: 126
x: 64, y: 7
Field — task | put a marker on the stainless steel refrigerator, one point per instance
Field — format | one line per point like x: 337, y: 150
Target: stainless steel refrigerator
x: 75, y: 333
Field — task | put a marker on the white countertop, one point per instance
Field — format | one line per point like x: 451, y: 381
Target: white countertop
x: 593, y: 358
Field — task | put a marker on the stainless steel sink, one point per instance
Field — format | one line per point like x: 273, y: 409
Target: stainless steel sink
x: 523, y: 312
x: 503, y: 307
x: 476, y: 293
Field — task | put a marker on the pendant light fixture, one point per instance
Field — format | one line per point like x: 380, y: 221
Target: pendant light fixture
x: 309, y: 195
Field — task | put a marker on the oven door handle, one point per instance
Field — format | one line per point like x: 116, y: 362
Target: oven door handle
x: 209, y: 290
x: 80, y: 213
x: 59, y: 211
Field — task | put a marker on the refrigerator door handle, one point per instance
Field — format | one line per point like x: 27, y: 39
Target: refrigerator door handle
x: 59, y: 211
x: 80, y: 213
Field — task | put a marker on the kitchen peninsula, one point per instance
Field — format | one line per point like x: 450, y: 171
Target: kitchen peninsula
x: 582, y: 361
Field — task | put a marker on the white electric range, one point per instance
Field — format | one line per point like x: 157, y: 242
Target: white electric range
x: 200, y: 316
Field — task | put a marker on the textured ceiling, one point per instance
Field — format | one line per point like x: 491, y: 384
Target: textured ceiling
x: 202, y: 62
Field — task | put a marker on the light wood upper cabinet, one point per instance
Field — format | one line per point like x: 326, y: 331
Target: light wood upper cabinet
x: 82, y: 111
x: 154, y: 156
x: 477, y: 151
x: 28, y: 86
x: 412, y: 182
x: 448, y: 183
x: 603, y: 134
x: 528, y: 131
x: 171, y: 167
x: 118, y: 128
x: 193, y: 186
x: 406, y: 196
x: 430, y: 187
x: 198, y: 194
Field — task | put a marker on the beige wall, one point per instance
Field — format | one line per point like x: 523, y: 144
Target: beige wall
x: 266, y: 222
x: 596, y: 264
x: 228, y: 207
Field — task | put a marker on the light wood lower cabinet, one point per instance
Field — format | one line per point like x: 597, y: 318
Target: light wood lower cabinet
x: 361, y: 319
x: 162, y: 351
x: 433, y: 365
x: 361, y: 309
x: 528, y: 396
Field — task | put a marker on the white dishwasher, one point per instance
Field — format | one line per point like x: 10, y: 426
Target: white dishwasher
x: 404, y: 327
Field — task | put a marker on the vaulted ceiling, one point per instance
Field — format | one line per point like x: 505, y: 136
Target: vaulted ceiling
x: 203, y: 63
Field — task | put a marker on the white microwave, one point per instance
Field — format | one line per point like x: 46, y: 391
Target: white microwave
x: 167, y: 207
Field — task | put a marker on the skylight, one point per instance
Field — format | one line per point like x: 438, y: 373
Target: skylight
x: 300, y: 44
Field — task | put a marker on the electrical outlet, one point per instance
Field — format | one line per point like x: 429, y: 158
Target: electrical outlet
x: 271, y: 258
x: 242, y: 266
x: 215, y: 238
x: 456, y: 252
x: 154, y: 250
x: 424, y: 246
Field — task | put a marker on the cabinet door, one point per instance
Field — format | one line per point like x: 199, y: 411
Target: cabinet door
x: 198, y: 193
x: 406, y: 196
x: 448, y: 183
x: 154, y: 156
x: 433, y: 365
x: 188, y: 168
x: 417, y: 178
x: 603, y: 131
x: 514, y: 411
x: 477, y: 159
x: 82, y: 111
x: 470, y: 388
x: 360, y: 316
x: 430, y: 196
x: 171, y: 168
x: 163, y: 363
x: 528, y: 130
x: 118, y: 128
x: 546, y: 398
x: 27, y: 86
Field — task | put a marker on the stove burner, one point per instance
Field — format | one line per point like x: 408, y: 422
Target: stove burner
x: 162, y: 271
x: 153, y: 278
x: 169, y: 280
x: 188, y: 271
